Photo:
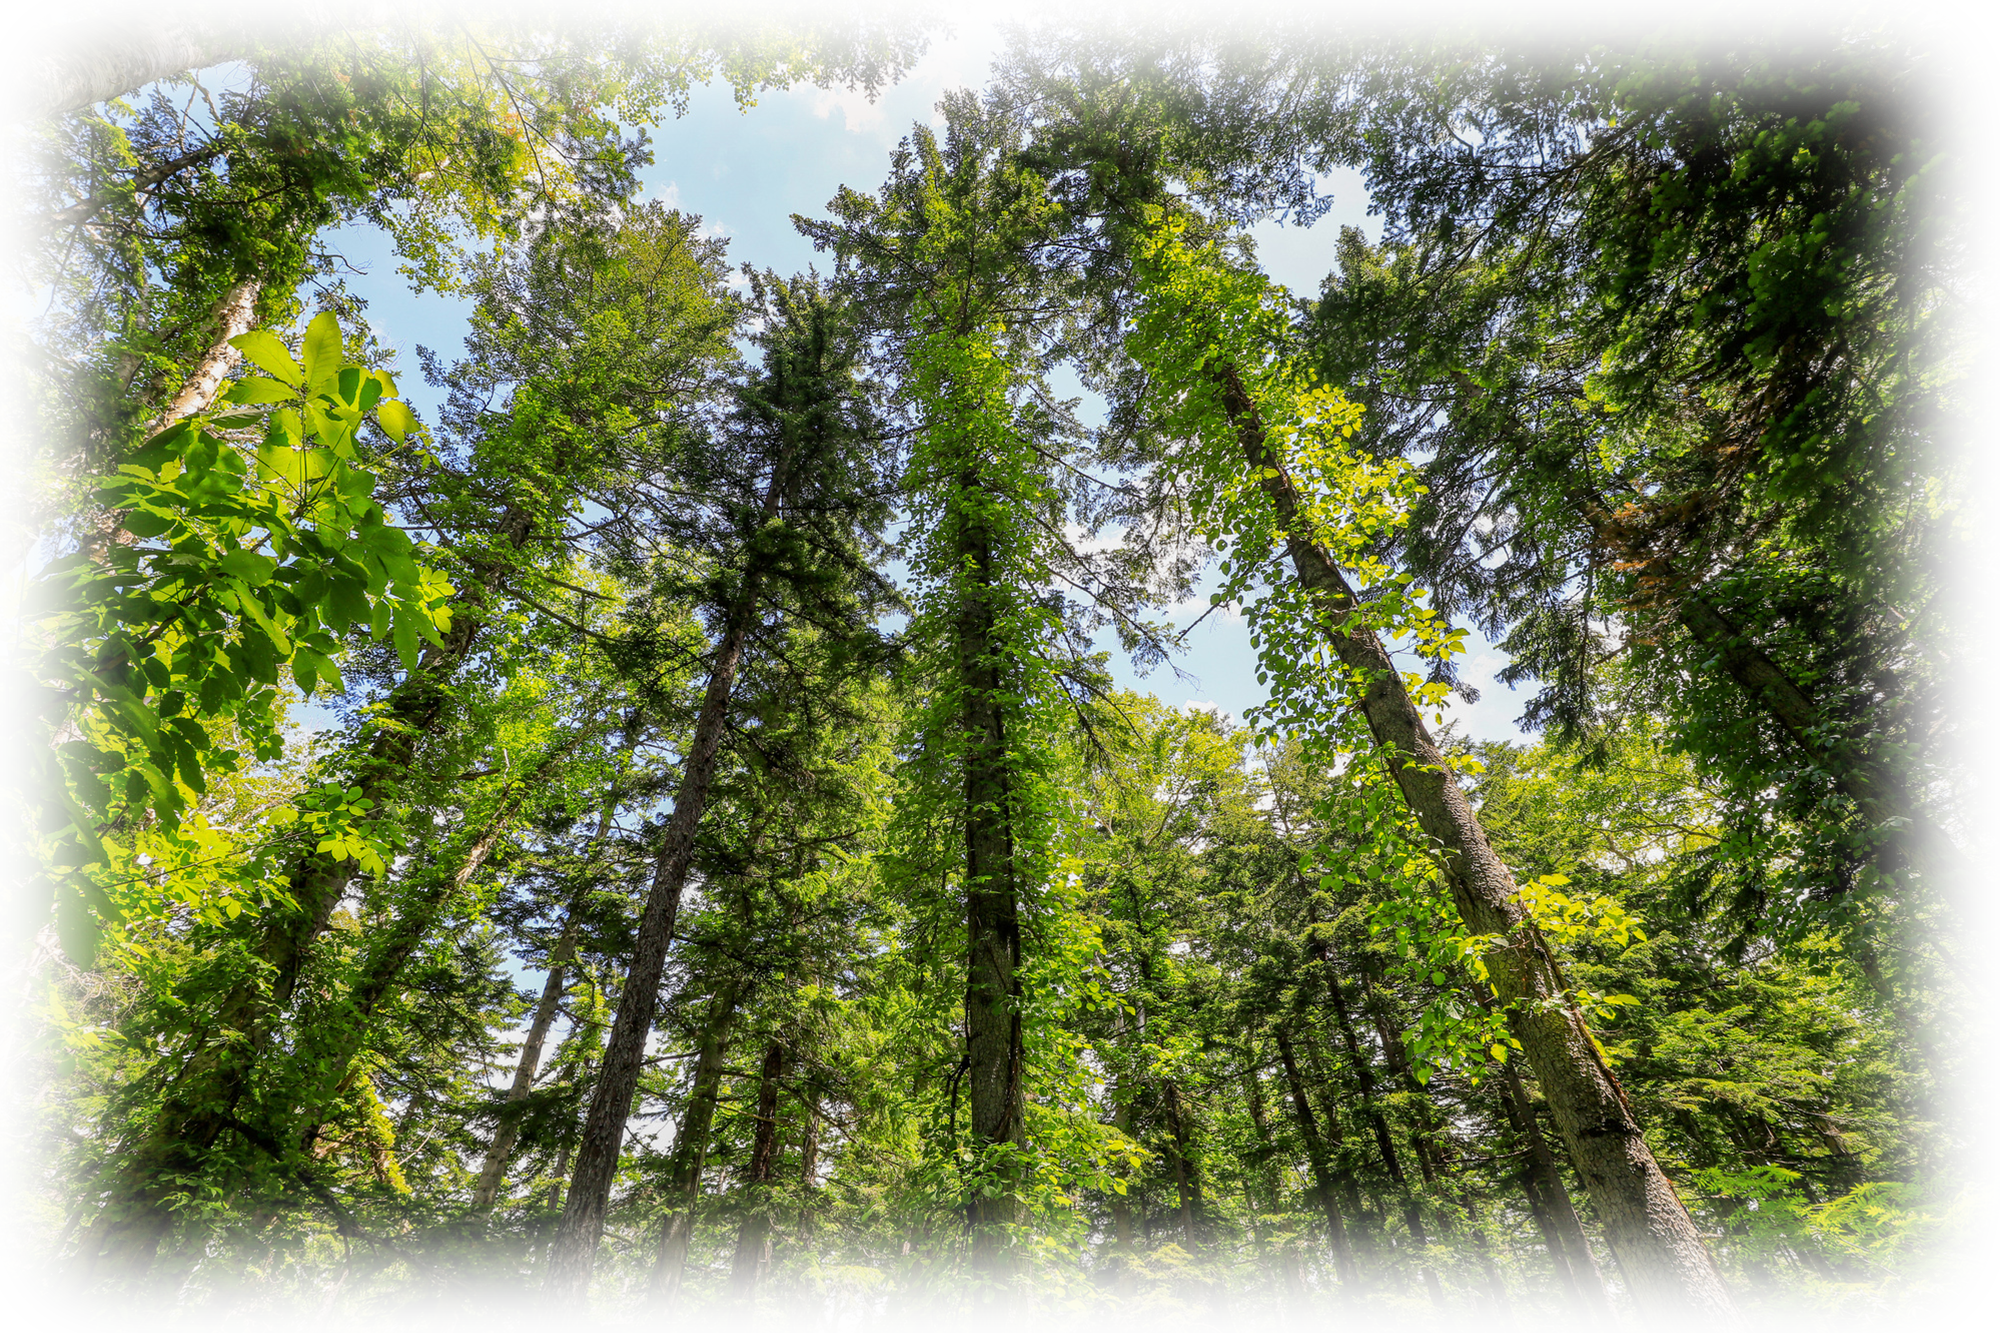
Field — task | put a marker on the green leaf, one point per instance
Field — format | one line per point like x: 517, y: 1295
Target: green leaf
x: 257, y: 389
x: 263, y: 348
x: 255, y: 570
x: 322, y: 350
x: 396, y: 419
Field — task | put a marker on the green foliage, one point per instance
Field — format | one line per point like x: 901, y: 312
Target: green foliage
x: 212, y: 574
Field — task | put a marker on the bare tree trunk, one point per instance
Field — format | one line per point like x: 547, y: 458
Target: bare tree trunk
x: 753, y: 1238
x: 1302, y: 1111
x: 691, y: 1144
x: 69, y: 67
x: 1660, y: 1249
x: 574, y: 1253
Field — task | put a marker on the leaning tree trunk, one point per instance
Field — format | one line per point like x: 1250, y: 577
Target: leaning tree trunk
x: 69, y: 67
x: 573, y: 1254
x: 753, y: 1238
x: 1660, y: 1249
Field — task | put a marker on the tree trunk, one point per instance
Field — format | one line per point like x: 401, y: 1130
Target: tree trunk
x: 1302, y: 1111
x: 69, y: 67
x: 753, y: 1238
x: 493, y: 1171
x: 1126, y: 1253
x: 1267, y: 1174
x: 993, y: 931
x: 574, y: 1253
x: 691, y: 1144
x: 1661, y: 1251
x: 232, y: 317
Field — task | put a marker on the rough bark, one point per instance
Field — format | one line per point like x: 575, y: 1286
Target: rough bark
x: 574, y: 1252
x: 753, y: 1237
x: 993, y: 930
x: 1272, y: 1201
x: 690, y: 1156
x: 1661, y: 1251
x: 69, y: 67
x: 1316, y: 1158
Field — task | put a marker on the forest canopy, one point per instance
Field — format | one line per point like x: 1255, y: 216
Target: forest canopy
x: 663, y: 805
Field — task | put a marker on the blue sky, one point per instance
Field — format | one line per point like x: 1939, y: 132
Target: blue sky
x: 747, y: 173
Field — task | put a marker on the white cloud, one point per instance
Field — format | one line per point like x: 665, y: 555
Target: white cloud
x: 670, y: 194
x: 856, y: 111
